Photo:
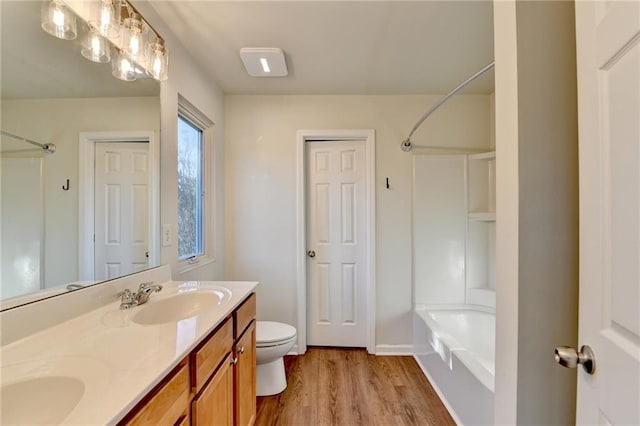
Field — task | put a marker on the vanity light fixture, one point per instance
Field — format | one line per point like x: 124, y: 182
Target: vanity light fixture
x: 158, y: 60
x: 133, y: 37
x: 95, y: 47
x: 104, y: 15
x: 137, y: 44
x: 123, y: 68
x: 58, y: 20
x: 264, y: 61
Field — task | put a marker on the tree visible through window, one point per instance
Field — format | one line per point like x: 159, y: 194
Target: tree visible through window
x: 190, y: 190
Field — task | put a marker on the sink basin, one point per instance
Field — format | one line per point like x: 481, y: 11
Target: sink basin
x: 40, y: 401
x: 181, y: 306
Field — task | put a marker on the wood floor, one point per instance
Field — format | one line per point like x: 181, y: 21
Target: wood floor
x: 347, y: 387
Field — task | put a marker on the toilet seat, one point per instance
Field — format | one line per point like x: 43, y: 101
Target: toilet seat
x: 271, y: 333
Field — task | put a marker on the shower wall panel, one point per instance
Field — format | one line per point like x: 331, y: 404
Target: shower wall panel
x: 439, y: 229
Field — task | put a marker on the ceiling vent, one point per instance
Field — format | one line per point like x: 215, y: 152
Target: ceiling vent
x: 264, y: 61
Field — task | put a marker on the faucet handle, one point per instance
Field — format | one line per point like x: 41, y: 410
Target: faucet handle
x: 145, y: 285
x: 126, y: 292
x: 126, y: 295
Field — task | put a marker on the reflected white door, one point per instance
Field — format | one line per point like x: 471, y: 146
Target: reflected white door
x: 121, y: 209
x: 608, y: 54
x: 336, y: 243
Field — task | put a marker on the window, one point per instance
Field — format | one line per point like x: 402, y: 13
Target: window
x: 194, y: 207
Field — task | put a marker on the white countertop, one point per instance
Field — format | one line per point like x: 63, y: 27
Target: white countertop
x: 101, y: 363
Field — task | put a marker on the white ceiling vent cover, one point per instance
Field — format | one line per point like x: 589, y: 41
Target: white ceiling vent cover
x: 264, y: 61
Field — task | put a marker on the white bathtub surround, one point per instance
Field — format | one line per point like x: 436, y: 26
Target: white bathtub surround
x: 454, y: 346
x: 104, y: 362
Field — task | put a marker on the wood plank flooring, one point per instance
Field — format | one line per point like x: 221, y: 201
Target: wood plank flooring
x: 345, y: 387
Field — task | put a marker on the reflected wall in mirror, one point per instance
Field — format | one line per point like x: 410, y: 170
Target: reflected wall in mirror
x: 51, y: 94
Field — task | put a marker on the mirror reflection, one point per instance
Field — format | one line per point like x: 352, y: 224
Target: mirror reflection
x: 86, y: 212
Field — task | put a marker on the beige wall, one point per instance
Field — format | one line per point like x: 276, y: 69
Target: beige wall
x: 537, y: 210
x: 60, y: 121
x: 187, y: 78
x: 260, y: 177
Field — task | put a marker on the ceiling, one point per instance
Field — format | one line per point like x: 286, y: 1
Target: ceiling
x: 340, y: 47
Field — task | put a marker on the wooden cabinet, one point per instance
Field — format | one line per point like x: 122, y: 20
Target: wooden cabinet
x: 245, y: 377
x: 215, y: 385
x: 214, y: 406
x: 167, y: 404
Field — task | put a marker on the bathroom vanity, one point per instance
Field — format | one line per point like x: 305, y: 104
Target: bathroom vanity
x: 214, y: 384
x: 187, y: 356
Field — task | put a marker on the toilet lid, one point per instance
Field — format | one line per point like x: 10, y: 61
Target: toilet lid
x: 270, y: 331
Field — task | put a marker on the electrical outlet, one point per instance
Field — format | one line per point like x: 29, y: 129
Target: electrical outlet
x: 166, y: 235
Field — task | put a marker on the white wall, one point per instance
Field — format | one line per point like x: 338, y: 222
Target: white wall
x: 537, y: 210
x: 260, y: 198
x: 60, y: 121
x: 187, y: 78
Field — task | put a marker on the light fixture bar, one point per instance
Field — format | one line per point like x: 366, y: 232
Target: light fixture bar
x: 118, y: 21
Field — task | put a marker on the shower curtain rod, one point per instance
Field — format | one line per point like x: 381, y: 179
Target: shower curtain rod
x: 406, y: 144
x: 49, y: 148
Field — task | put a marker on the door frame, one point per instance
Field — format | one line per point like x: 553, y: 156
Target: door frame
x: 368, y: 137
x: 86, y: 193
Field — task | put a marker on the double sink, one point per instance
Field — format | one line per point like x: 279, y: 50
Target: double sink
x: 45, y: 394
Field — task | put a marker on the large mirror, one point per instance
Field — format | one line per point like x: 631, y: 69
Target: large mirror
x: 86, y: 212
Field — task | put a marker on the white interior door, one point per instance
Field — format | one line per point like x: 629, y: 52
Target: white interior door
x: 121, y: 208
x: 336, y: 243
x: 608, y: 54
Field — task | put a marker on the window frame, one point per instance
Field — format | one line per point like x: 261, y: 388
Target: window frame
x: 191, y: 114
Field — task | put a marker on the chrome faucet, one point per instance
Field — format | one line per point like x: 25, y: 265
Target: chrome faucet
x: 129, y: 299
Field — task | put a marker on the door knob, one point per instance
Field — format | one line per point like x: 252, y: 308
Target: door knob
x: 311, y: 253
x: 568, y: 357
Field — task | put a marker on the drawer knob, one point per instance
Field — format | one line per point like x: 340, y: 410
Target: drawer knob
x: 234, y: 360
x: 241, y: 350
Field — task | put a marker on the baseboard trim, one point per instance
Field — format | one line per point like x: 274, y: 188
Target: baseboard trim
x: 294, y: 350
x: 397, y: 350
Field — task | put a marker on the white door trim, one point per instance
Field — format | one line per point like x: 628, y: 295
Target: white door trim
x: 368, y: 136
x: 86, y: 154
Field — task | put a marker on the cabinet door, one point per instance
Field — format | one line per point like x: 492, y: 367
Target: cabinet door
x: 245, y: 378
x: 214, y: 406
x: 168, y: 404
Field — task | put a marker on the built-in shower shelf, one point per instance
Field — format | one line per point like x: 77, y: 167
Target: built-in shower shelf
x: 481, y: 296
x: 483, y: 216
x: 483, y: 156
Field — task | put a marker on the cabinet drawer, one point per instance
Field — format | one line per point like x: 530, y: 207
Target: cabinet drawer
x: 205, y: 359
x: 244, y: 315
x: 168, y: 404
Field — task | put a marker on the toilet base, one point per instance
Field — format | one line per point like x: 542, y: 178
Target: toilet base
x: 270, y: 378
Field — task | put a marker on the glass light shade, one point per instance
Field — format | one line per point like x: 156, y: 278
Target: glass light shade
x: 158, y: 61
x: 95, y: 47
x: 123, y: 68
x: 135, y: 38
x: 58, y: 20
x: 104, y: 15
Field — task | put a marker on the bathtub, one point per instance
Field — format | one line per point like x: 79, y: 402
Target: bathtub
x: 456, y: 350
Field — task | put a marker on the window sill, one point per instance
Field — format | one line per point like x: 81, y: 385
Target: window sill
x: 184, y: 266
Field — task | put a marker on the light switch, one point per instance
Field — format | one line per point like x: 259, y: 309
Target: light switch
x: 166, y: 235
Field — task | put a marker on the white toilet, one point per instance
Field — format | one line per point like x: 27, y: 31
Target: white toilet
x: 273, y: 341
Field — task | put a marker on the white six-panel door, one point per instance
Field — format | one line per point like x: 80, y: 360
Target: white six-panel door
x: 336, y: 243
x: 608, y: 60
x: 121, y: 209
